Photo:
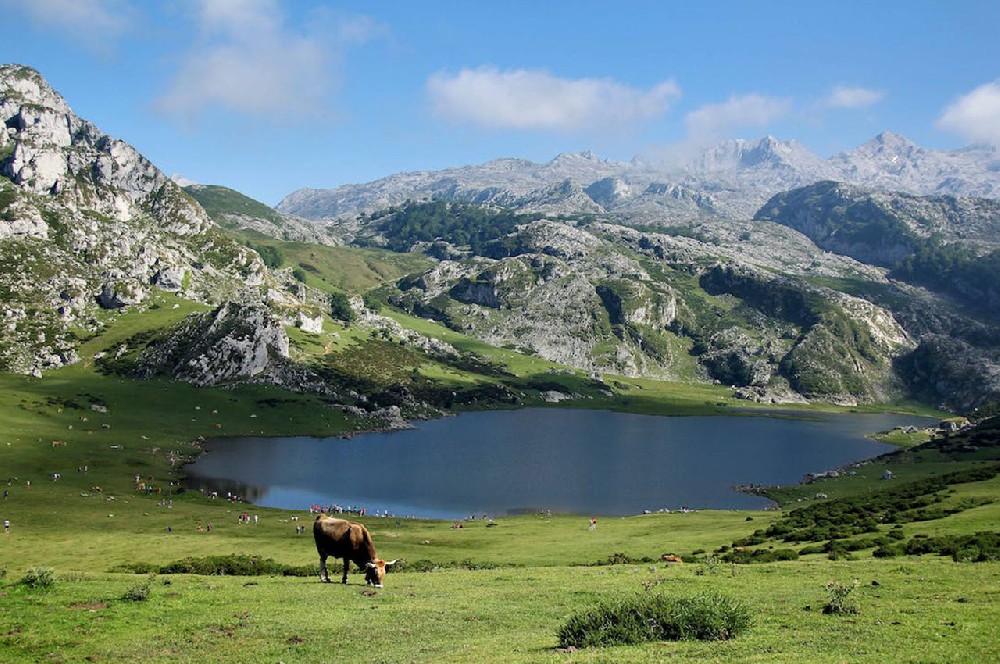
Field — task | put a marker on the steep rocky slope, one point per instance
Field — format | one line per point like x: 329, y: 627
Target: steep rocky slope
x: 87, y: 223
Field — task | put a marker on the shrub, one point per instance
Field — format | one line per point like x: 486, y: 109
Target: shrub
x: 617, y: 559
x: 231, y: 565
x: 747, y: 556
x: 137, y: 593
x: 656, y: 617
x: 840, y: 598
x: 888, y: 551
x: 39, y: 577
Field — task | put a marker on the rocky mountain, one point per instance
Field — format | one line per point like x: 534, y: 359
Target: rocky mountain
x: 87, y: 223
x: 731, y: 180
x: 890, y: 162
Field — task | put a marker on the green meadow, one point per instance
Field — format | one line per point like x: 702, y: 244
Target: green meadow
x: 481, y: 593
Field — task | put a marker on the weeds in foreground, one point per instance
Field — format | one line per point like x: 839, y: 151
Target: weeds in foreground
x: 841, y: 602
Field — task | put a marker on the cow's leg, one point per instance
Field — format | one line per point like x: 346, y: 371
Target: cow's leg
x: 324, y: 574
x: 347, y: 566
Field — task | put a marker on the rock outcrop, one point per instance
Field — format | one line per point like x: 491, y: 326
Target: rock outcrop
x: 234, y: 342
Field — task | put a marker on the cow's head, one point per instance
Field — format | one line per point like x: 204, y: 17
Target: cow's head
x: 375, y: 572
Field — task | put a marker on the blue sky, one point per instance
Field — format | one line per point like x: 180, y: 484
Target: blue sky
x: 267, y: 96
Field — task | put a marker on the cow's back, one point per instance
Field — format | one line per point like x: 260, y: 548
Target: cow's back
x: 340, y: 538
x: 332, y: 535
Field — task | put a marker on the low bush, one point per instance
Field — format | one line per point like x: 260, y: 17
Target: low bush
x: 39, y: 577
x: 137, y: 593
x: 231, y: 565
x: 747, y: 556
x: 841, y: 601
x: 656, y: 617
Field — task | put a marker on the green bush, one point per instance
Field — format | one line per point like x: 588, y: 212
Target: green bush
x: 137, y: 593
x: 840, y: 598
x: 340, y: 307
x: 656, y: 617
x: 39, y: 577
x: 747, y: 556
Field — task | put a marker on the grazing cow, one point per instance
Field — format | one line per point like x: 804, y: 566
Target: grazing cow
x: 348, y: 540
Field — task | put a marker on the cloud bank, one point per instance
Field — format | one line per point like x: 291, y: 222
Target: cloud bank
x: 976, y: 115
x: 535, y: 99
x: 715, y: 121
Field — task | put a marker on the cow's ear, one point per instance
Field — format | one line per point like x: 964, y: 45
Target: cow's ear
x: 392, y: 562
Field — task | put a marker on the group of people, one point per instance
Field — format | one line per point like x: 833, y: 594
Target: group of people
x: 337, y: 509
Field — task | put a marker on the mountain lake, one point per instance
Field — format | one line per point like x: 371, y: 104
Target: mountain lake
x: 586, y: 462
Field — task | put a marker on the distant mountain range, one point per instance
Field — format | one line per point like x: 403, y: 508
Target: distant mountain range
x: 730, y: 180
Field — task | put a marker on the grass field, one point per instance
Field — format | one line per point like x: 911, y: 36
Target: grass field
x: 495, y: 593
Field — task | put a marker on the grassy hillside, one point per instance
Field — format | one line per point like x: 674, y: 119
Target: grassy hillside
x: 336, y: 269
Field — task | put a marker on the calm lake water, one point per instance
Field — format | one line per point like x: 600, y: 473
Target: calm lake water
x: 576, y: 461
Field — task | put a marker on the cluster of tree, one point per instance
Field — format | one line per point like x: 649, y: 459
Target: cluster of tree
x: 340, y: 308
x: 461, y: 224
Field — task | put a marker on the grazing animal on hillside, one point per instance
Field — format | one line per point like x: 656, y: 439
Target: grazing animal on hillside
x: 339, y: 538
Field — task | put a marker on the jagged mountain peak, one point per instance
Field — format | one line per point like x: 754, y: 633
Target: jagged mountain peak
x: 887, y: 143
x: 741, y: 154
x: 582, y: 155
x: 24, y: 84
x: 47, y: 149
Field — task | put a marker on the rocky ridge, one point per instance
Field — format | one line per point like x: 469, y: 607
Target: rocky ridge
x: 731, y: 180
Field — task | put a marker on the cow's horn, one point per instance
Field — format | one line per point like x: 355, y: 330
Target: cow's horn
x: 393, y: 562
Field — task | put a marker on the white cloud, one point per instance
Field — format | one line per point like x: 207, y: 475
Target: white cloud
x: 976, y: 115
x: 96, y: 24
x: 248, y: 60
x: 714, y: 121
x: 843, y: 96
x: 535, y: 99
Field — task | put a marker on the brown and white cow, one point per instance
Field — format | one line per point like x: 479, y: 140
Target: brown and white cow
x: 339, y: 538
